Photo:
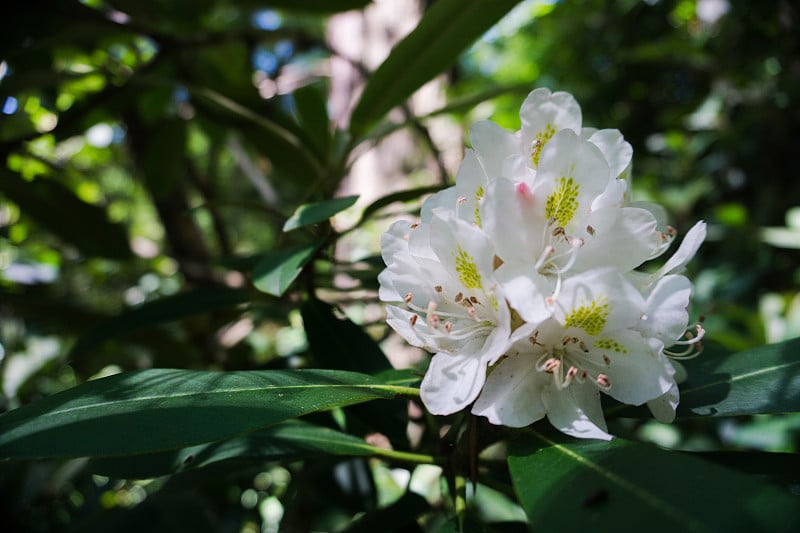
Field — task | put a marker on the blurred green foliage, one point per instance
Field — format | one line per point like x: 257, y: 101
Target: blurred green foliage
x: 149, y: 160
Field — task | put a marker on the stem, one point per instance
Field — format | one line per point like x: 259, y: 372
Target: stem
x: 410, y: 457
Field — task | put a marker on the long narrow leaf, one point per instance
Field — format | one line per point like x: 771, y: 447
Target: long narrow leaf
x: 578, y: 485
x: 445, y: 31
x: 162, y: 409
x: 288, y: 440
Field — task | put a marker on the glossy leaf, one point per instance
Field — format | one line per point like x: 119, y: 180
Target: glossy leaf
x: 308, y: 214
x: 166, y: 309
x: 58, y: 210
x: 578, y: 485
x: 164, y: 409
x: 445, y: 31
x: 288, y: 440
x: 275, y: 272
x: 761, y: 380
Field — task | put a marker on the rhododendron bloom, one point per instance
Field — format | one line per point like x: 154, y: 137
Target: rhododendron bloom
x: 522, y: 280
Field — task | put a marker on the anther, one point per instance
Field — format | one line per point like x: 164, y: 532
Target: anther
x: 496, y: 263
x: 474, y: 300
x: 551, y: 364
x: 590, y: 230
x: 408, y: 297
x: 415, y: 225
x: 438, y: 288
x: 461, y: 200
x: 603, y: 381
x: 606, y: 359
x: 448, y: 327
x: 413, y: 319
x: 471, y: 313
x: 459, y: 296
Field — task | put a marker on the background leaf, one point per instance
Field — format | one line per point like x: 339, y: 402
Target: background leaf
x: 445, y: 31
x: 160, y: 311
x: 161, y: 409
x: 308, y: 214
x: 575, y: 485
x: 275, y: 272
x: 288, y: 440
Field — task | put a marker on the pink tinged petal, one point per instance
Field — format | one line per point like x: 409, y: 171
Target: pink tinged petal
x: 493, y: 145
x: 596, y: 301
x: 666, y: 316
x: 623, y: 238
x: 543, y: 111
x: 452, y: 382
x: 576, y: 411
x: 512, y: 221
x: 636, y: 373
x: 663, y: 407
x: 512, y: 395
x: 617, y: 151
x: 689, y: 246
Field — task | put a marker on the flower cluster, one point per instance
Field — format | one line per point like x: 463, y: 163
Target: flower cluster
x: 521, y: 279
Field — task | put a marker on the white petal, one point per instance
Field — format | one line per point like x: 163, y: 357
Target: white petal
x: 542, y: 111
x: 513, y: 222
x: 493, y: 145
x: 637, y: 375
x: 395, y: 241
x: 512, y: 395
x: 452, y: 382
x: 447, y: 198
x: 616, y: 149
x: 689, y: 246
x: 663, y: 407
x: 623, y: 238
x: 572, y: 173
x: 576, y: 411
x: 610, y: 301
x: 526, y: 291
x: 463, y: 249
x: 666, y: 316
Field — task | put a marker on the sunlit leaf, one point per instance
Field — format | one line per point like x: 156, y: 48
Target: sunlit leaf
x: 288, y: 440
x: 308, y: 214
x: 275, y: 272
x: 445, y: 31
x: 163, y: 409
x: 578, y: 485
x: 166, y: 309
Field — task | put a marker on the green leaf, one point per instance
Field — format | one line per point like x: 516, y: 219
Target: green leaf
x: 316, y: 6
x: 312, y: 112
x: 308, y: 214
x: 57, y: 209
x: 163, y: 409
x: 166, y: 309
x: 275, y: 272
x: 445, y: 31
x: 579, y: 485
x: 290, y: 440
x: 399, y: 516
x: 339, y: 343
x: 761, y: 380
x: 284, y: 148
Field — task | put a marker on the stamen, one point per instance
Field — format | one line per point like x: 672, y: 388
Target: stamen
x: 413, y: 319
x: 590, y: 230
x: 459, y: 296
x: 448, y: 326
x: 548, y: 251
x: 438, y: 288
x: 603, y: 382
x: 408, y: 297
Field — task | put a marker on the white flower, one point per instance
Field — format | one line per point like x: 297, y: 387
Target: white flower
x: 442, y: 273
x: 589, y: 345
x: 521, y: 279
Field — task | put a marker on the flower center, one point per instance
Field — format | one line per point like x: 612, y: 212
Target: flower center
x: 569, y: 361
